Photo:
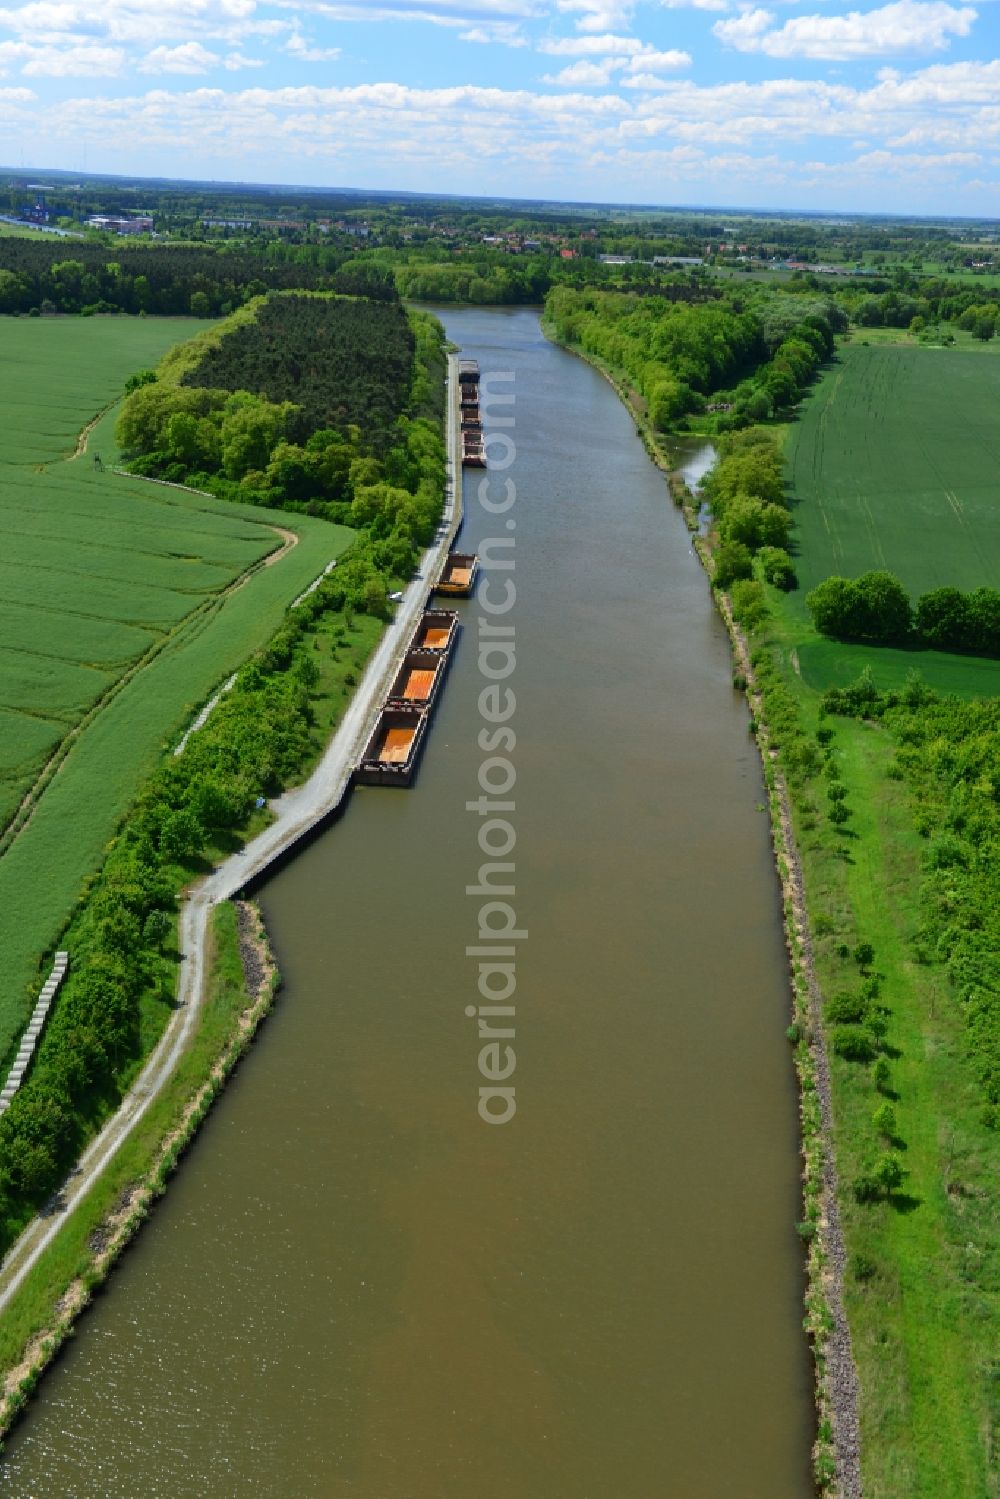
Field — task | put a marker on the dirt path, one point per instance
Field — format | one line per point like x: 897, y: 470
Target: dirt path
x: 289, y: 539
x: 295, y: 811
x: 84, y: 437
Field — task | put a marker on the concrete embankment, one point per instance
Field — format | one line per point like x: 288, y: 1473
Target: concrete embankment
x: 295, y: 814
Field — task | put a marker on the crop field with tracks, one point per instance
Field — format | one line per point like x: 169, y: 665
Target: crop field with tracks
x: 894, y: 463
x: 123, y: 604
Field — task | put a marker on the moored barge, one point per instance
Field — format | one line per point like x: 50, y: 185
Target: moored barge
x: 459, y: 574
x: 436, y: 631
x: 391, y: 755
x: 473, y: 448
x: 419, y: 679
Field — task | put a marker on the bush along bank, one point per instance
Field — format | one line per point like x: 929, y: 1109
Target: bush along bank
x: 243, y: 983
x: 790, y: 762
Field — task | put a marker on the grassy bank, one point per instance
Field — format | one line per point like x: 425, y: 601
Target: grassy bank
x: 921, y: 1281
x: 921, y: 1288
x: 242, y: 985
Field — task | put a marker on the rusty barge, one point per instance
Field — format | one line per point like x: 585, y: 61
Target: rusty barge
x: 458, y: 576
x: 391, y: 754
x: 473, y: 444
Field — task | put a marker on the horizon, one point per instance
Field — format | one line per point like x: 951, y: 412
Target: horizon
x: 886, y: 110
x: 649, y: 209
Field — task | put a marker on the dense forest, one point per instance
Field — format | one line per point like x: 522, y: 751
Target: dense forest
x: 754, y: 356
x: 314, y: 403
x: 170, y: 280
x: 342, y: 362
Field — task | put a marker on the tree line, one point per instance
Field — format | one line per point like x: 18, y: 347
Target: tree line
x: 37, y: 276
x: 876, y: 609
x: 752, y: 356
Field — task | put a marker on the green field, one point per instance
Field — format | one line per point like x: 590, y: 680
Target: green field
x: 120, y: 611
x: 894, y: 462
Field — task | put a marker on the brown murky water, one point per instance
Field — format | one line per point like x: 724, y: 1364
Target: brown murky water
x: 355, y: 1287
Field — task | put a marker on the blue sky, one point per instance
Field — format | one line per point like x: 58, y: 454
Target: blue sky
x: 892, y: 107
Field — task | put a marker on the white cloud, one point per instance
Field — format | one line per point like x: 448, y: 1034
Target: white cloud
x: 189, y: 57
x: 607, y: 45
x: 507, y: 33
x: 437, y: 12
x: 640, y: 59
x: 659, y: 62
x: 907, y: 26
x: 76, y: 60
x: 139, y: 22
x: 583, y: 74
x: 598, y: 15
x: 303, y: 51
x: 695, y: 4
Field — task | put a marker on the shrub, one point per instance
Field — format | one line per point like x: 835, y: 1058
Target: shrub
x: 749, y: 603
x: 862, y: 1267
x: 777, y: 567
x: 889, y: 1171
x: 864, y: 955
x: 732, y: 561
x: 846, y: 1009
x: 853, y: 1043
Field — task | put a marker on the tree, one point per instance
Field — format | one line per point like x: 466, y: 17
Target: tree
x: 832, y: 605
x: 983, y: 616
x: 942, y: 619
x: 884, y: 608
x: 776, y: 567
x: 884, y: 1120
x: 732, y: 560
x: 864, y: 955
x: 889, y: 1172
x: 200, y: 305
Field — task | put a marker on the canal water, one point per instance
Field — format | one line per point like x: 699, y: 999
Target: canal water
x: 355, y: 1286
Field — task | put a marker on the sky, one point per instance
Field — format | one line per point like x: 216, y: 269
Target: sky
x: 758, y: 103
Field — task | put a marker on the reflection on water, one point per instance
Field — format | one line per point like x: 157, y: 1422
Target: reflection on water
x: 355, y: 1288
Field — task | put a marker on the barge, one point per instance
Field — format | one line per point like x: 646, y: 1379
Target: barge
x: 473, y: 448
x: 436, y: 631
x: 418, y: 680
x: 459, y: 574
x: 390, y: 757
